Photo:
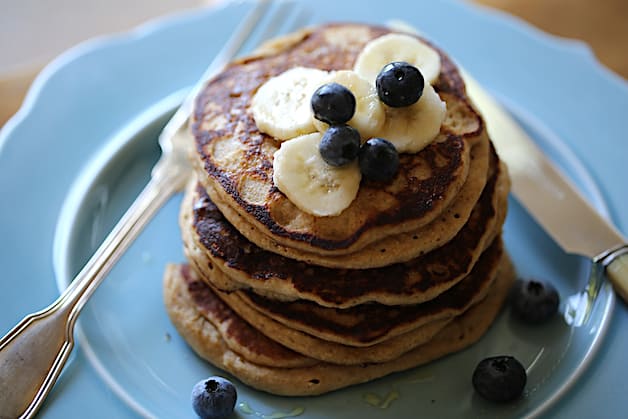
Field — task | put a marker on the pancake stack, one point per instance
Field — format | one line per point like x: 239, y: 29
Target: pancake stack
x: 296, y: 304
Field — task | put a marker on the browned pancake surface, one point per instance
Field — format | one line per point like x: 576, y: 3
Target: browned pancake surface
x: 370, y: 323
x: 418, y: 280
x: 209, y: 341
x: 247, y: 341
x: 235, y: 160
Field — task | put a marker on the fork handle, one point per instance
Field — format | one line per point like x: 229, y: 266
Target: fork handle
x: 34, y: 352
x: 32, y: 355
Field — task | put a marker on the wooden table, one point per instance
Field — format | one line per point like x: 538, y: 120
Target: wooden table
x: 603, y: 24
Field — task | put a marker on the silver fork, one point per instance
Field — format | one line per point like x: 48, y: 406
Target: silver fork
x: 34, y: 352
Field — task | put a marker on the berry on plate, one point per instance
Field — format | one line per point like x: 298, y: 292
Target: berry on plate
x: 534, y: 301
x: 214, y: 398
x: 499, y: 378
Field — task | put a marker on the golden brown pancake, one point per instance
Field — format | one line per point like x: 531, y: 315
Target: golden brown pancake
x: 367, y: 324
x: 293, y: 304
x: 211, y: 242
x: 245, y: 341
x: 366, y: 333
x: 329, y: 351
x: 234, y: 160
x: 394, y: 248
x: 209, y: 342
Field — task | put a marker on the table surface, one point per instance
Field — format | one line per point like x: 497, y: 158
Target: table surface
x: 43, y: 30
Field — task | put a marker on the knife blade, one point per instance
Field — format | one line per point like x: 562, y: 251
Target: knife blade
x: 549, y: 196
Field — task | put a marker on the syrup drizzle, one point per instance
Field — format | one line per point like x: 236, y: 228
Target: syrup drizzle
x: 245, y: 408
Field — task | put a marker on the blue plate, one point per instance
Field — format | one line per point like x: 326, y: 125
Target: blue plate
x: 81, y: 148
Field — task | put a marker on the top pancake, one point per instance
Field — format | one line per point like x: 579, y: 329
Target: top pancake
x: 211, y: 242
x: 234, y: 160
x: 396, y: 248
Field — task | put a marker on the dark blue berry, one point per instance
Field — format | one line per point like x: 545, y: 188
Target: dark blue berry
x: 499, y: 378
x: 399, y: 84
x: 534, y: 301
x: 340, y: 145
x: 214, y: 398
x: 333, y: 103
x: 378, y: 159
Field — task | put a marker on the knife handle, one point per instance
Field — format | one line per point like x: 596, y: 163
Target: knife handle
x: 617, y: 272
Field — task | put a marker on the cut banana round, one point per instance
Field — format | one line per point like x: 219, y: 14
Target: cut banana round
x: 281, y: 106
x: 397, y: 47
x: 413, y: 127
x: 369, y: 114
x: 311, y: 184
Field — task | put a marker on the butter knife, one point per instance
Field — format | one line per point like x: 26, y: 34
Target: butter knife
x: 550, y: 197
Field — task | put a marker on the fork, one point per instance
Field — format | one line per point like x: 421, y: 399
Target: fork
x: 34, y: 352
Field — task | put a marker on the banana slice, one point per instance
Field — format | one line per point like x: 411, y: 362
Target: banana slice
x: 397, y: 47
x: 413, y: 127
x: 281, y: 106
x: 369, y: 114
x: 311, y: 184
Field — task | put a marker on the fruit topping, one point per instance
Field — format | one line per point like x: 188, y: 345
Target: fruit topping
x: 398, y: 47
x: 340, y: 145
x: 370, y: 112
x: 378, y: 159
x: 214, y: 398
x: 499, y: 378
x: 399, y: 84
x: 281, y: 106
x: 414, y: 127
x: 534, y: 301
x: 333, y: 103
x: 311, y: 184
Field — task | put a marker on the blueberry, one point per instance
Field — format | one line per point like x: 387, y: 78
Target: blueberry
x: 214, y: 398
x: 399, y: 84
x: 499, y: 378
x: 333, y: 103
x: 340, y: 145
x: 378, y: 159
x: 534, y: 301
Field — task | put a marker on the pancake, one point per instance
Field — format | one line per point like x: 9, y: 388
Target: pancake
x: 374, y: 333
x: 234, y: 160
x: 367, y: 324
x: 209, y: 343
x: 394, y: 248
x: 245, y: 341
x: 211, y: 242
x: 329, y: 351
x: 294, y: 304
